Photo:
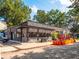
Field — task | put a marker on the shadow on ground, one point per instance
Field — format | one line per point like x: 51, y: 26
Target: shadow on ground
x: 62, y: 52
x: 10, y: 42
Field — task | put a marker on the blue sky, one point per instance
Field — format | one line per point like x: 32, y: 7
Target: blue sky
x: 47, y: 5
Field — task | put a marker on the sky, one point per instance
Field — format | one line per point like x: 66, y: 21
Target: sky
x: 47, y: 5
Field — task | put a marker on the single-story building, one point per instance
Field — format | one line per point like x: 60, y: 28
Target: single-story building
x: 31, y: 31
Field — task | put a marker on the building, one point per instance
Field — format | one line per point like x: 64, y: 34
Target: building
x: 31, y: 31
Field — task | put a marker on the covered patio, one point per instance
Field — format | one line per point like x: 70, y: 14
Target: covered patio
x: 31, y: 31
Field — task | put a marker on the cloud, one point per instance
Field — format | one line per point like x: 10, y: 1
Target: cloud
x: 65, y: 2
x: 64, y: 9
x: 64, y: 5
x: 34, y: 8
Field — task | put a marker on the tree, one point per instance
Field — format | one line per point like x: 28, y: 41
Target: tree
x: 74, y: 14
x: 75, y: 29
x: 14, y: 12
x: 57, y: 18
x: 52, y: 17
x: 41, y: 16
x: 75, y: 3
x: 75, y: 9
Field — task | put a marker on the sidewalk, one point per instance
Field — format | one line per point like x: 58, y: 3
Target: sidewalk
x: 23, y: 46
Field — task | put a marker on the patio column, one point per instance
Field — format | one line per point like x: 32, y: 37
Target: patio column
x: 37, y: 34
x: 21, y: 35
x: 15, y: 36
x: 16, y: 33
x: 27, y: 34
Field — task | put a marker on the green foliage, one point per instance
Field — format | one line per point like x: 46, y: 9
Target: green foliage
x: 52, y: 35
x: 74, y: 13
x: 14, y: 11
x: 41, y: 16
x: 75, y: 29
x: 55, y: 17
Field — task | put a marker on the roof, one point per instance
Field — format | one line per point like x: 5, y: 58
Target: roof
x: 36, y: 24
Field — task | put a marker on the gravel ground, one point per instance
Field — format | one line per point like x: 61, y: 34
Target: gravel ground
x: 58, y: 52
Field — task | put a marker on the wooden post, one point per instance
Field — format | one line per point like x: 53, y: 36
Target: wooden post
x: 11, y: 34
x: 16, y: 34
x: 27, y: 33
x: 21, y: 35
x: 38, y: 34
